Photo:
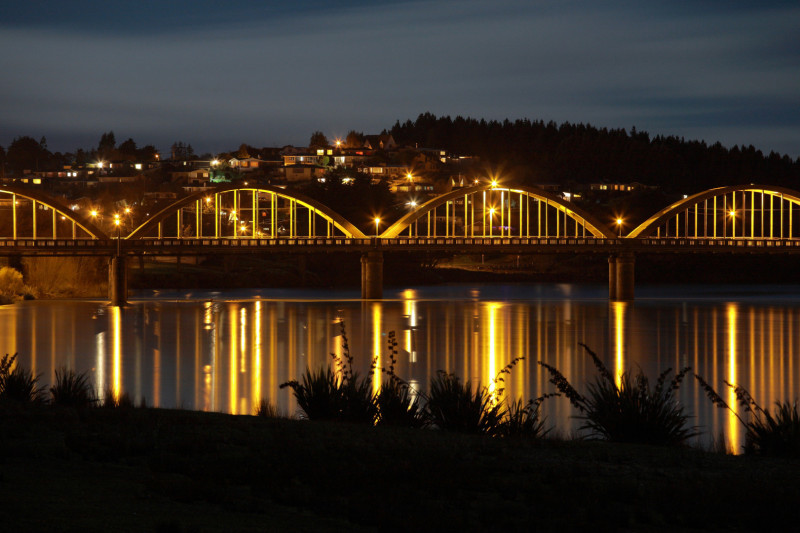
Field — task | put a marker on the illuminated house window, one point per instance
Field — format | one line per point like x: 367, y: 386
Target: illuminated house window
x: 320, y: 152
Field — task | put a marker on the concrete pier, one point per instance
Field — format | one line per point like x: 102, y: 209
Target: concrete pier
x: 372, y: 275
x: 624, y: 279
x: 117, y: 280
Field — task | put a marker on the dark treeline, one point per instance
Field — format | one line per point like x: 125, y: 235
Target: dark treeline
x: 535, y: 152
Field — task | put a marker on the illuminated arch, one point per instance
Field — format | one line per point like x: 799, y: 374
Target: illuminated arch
x: 263, y: 199
x: 737, y: 211
x: 64, y: 219
x: 567, y: 220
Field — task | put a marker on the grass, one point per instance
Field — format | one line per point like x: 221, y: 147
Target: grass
x: 336, y: 392
x: 769, y: 434
x: 141, y: 469
x: 72, y: 389
x: 631, y: 411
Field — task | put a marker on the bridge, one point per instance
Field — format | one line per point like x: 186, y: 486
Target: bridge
x: 749, y: 219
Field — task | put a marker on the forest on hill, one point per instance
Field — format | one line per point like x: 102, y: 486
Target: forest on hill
x: 534, y: 152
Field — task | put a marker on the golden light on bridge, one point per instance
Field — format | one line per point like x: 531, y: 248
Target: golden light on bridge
x: 377, y: 224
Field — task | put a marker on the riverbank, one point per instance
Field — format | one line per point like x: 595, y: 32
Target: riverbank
x: 179, y: 471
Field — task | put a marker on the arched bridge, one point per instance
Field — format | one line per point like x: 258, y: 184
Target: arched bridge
x: 480, y: 219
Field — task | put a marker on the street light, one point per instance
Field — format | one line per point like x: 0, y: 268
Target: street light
x: 377, y: 222
x: 619, y: 227
x: 117, y: 223
x: 491, y: 214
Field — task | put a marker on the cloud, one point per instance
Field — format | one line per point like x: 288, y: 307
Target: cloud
x: 265, y: 76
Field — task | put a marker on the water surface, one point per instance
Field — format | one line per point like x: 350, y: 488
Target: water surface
x: 224, y: 351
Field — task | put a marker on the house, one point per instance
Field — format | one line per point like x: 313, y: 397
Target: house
x: 302, y: 172
x: 385, y: 141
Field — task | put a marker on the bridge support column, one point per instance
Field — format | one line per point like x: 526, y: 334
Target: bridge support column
x: 372, y: 276
x: 625, y: 263
x: 612, y: 277
x: 117, y: 280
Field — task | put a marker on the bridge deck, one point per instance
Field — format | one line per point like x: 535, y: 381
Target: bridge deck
x: 467, y: 245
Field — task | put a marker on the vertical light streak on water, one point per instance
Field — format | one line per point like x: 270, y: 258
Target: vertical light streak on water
x: 257, y: 371
x: 177, y: 357
x: 751, y: 330
x: 410, y: 310
x: 377, y: 344
x: 243, y: 360
x: 197, y: 359
x: 715, y: 381
x: 618, y: 310
x: 209, y: 370
x: 100, y: 362
x: 157, y: 359
x: 53, y: 341
x: 492, y: 346
x: 272, y: 353
x: 8, y: 334
x: 34, y: 335
x: 733, y: 421
x: 521, y: 349
x: 233, y: 330
x: 115, y: 317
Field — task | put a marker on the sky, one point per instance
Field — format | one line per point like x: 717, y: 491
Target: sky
x: 217, y: 74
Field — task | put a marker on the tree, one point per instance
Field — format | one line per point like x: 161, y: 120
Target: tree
x: 182, y: 151
x: 128, y: 149
x: 354, y: 139
x: 318, y: 140
x: 243, y: 152
x: 106, y: 148
x: 147, y: 153
x: 25, y: 153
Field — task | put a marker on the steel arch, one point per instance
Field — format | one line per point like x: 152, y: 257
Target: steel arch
x: 646, y: 228
x: 51, y: 203
x: 334, y: 218
x: 580, y: 216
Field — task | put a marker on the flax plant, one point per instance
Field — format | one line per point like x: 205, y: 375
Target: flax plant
x: 631, y: 411
x: 765, y: 433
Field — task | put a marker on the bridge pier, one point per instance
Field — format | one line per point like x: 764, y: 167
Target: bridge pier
x: 621, y: 269
x: 117, y: 280
x: 372, y: 276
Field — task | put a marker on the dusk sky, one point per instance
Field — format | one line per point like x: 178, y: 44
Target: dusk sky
x: 220, y: 73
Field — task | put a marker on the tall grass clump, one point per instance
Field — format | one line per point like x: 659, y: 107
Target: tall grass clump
x: 72, y: 389
x: 398, y: 403
x: 632, y: 411
x: 266, y: 409
x: 337, y: 392
x: 776, y: 435
x: 18, y: 385
x: 112, y: 400
x: 456, y: 406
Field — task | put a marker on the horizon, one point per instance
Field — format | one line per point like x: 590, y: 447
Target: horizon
x: 217, y: 76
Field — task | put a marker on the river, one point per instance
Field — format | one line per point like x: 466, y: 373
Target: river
x: 224, y: 351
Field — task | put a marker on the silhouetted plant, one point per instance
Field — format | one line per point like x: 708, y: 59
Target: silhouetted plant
x: 72, y: 389
x: 398, y: 403
x: 455, y: 406
x: 765, y: 434
x: 632, y: 411
x: 21, y: 386
x: 117, y: 401
x: 524, y: 419
x: 266, y: 409
x: 337, y: 393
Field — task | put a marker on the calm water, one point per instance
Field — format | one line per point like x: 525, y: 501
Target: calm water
x: 224, y: 351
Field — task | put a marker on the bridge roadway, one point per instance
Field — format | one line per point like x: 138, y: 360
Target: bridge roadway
x: 621, y: 251
x: 466, y: 245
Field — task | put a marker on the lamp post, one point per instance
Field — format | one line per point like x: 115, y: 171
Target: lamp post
x: 117, y: 223
x: 619, y: 227
x: 377, y: 222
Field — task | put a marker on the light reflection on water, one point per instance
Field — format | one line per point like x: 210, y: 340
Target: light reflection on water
x: 224, y: 352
